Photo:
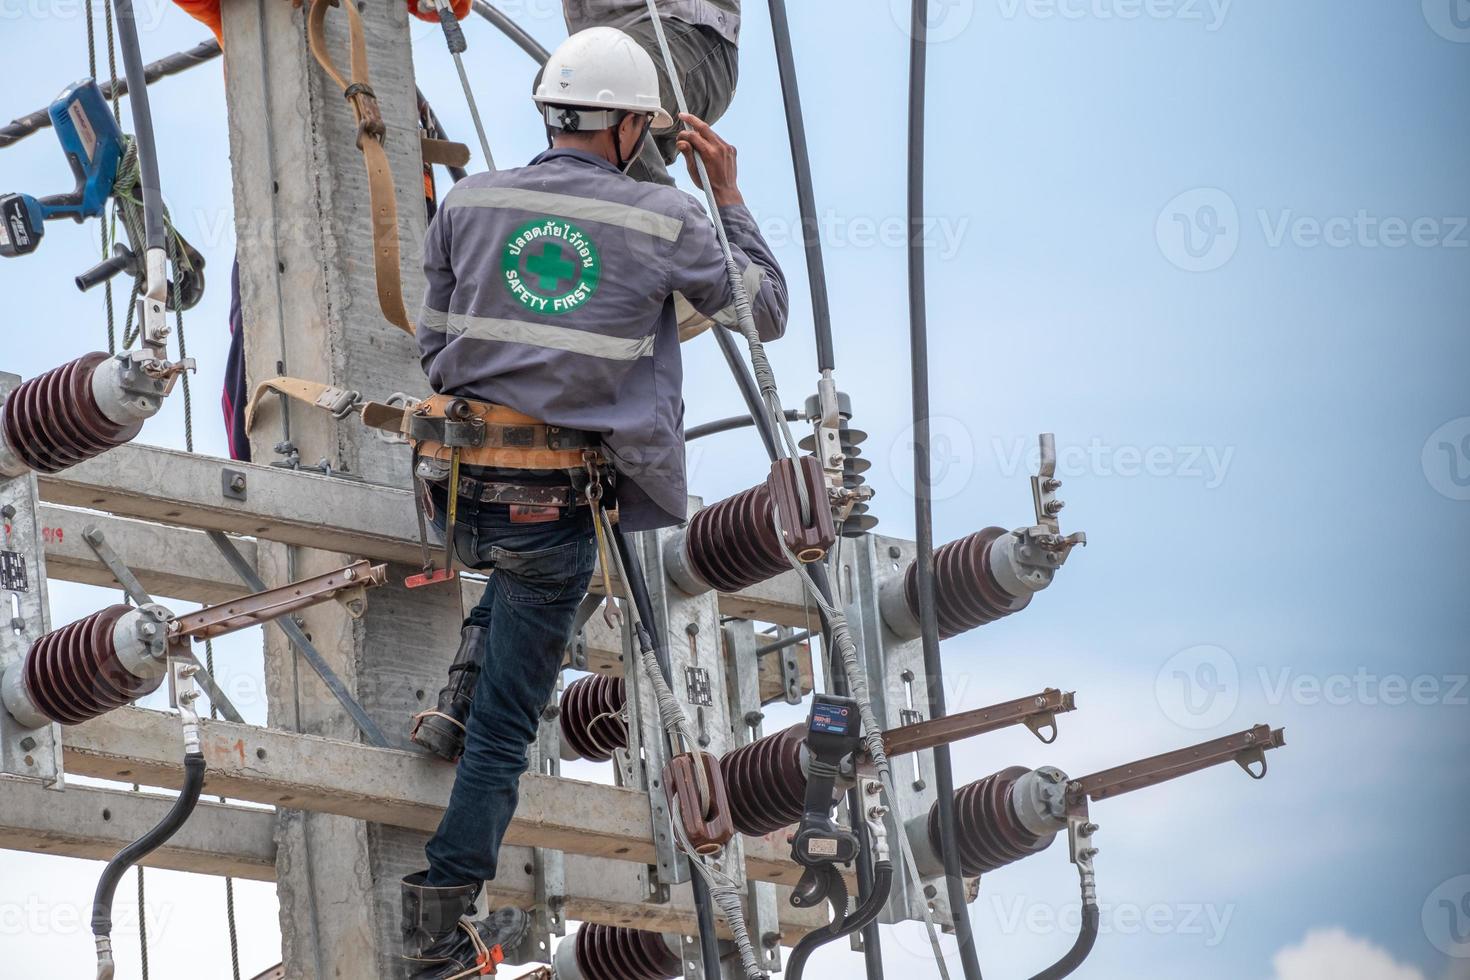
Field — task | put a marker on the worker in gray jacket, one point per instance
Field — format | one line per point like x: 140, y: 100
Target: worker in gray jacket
x: 551, y: 295
x: 704, y: 38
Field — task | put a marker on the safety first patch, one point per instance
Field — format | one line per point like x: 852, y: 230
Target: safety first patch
x: 551, y: 266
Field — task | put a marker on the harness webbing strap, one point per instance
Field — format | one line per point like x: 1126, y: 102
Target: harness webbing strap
x: 370, y: 134
x: 328, y: 398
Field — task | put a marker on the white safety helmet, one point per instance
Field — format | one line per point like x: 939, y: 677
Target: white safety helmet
x: 603, y: 69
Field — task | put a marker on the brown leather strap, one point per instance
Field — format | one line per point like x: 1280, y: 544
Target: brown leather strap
x: 370, y: 134
x: 444, y: 152
x: 330, y: 398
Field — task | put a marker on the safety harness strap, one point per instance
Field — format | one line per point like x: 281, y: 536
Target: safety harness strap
x: 370, y: 134
x: 329, y: 398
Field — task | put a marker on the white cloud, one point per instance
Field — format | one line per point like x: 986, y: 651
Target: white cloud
x: 1333, y: 954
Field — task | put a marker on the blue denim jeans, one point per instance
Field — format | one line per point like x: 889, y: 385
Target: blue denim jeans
x: 540, y: 575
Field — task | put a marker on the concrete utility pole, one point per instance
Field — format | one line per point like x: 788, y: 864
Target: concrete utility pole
x: 310, y: 306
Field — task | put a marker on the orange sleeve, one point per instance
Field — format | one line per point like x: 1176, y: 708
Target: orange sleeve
x: 461, y: 10
x: 207, y: 13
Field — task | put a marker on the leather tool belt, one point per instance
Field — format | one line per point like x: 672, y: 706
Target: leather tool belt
x: 494, y: 436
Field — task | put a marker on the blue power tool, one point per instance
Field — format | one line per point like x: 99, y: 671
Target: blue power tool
x: 94, y: 146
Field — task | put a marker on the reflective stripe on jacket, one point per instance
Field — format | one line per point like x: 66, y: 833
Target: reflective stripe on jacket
x: 551, y: 290
x: 722, y: 15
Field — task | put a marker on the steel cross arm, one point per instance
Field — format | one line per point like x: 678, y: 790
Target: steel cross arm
x: 350, y: 517
x: 388, y: 786
x: 238, y: 842
x: 262, y: 607
x: 1037, y: 712
x: 1246, y: 748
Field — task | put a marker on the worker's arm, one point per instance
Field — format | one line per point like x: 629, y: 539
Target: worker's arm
x: 699, y: 264
x: 433, y: 325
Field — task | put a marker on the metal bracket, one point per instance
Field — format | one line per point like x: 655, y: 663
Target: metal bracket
x: 297, y: 636
x: 25, y: 752
x: 548, y: 867
x: 233, y: 484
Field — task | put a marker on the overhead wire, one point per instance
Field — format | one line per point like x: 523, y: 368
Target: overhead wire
x: 923, y: 490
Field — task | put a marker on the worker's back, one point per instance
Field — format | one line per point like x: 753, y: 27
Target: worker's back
x: 550, y: 291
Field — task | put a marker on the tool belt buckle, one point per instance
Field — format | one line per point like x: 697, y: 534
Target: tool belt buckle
x: 340, y: 402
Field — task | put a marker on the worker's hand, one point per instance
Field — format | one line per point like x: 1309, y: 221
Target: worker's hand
x: 718, y: 156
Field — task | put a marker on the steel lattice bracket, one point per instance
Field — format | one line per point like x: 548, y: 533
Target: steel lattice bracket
x: 33, y: 753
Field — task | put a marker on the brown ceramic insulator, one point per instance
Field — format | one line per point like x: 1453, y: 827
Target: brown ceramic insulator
x: 765, y: 782
x: 52, y: 422
x: 990, y: 835
x: 965, y: 590
x: 73, y: 674
x: 733, y: 544
x: 620, y: 953
x: 592, y: 717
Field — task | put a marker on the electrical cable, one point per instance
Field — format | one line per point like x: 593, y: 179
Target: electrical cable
x: 142, y: 124
x: 730, y: 424
x: 177, y: 815
x: 33, y: 122
x: 1091, y: 922
x: 861, y: 918
x: 811, y: 239
x: 923, y: 491
x: 512, y: 30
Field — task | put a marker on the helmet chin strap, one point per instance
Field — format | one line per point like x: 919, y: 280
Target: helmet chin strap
x: 567, y: 120
x: 624, y: 165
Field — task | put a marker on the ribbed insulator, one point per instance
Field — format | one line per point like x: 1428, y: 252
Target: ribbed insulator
x: 859, y: 521
x: 733, y: 544
x: 965, y: 588
x: 592, y: 717
x: 990, y: 835
x: 765, y: 782
x: 620, y: 953
x: 53, y: 422
x: 73, y: 674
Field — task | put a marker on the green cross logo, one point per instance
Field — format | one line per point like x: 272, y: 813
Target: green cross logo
x: 551, y: 266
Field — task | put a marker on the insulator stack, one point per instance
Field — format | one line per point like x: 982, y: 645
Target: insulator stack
x: 592, y: 722
x: 858, y: 521
x: 966, y: 591
x: 733, y: 544
x: 619, y: 953
x: 766, y: 782
x: 54, y: 421
x: 89, y: 668
x: 990, y: 833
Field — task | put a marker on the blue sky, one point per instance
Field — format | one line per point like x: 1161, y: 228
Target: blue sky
x: 1221, y: 251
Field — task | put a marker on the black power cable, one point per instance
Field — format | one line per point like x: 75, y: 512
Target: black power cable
x: 811, y: 238
x: 923, y: 491
x: 127, y: 35
x: 512, y: 30
x: 1091, y: 921
x: 33, y: 122
x: 176, y: 817
x: 732, y: 423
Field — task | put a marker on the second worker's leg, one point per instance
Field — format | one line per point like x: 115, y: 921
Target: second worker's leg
x: 541, y: 572
x: 708, y: 71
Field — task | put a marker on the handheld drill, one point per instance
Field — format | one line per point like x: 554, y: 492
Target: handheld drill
x: 94, y: 146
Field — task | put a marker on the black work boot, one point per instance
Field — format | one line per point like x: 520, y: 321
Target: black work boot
x: 440, y: 942
x: 441, y: 728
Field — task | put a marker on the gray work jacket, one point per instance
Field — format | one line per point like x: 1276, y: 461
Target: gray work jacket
x: 722, y: 15
x: 555, y: 290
